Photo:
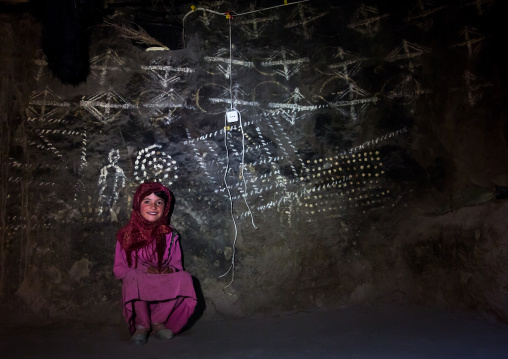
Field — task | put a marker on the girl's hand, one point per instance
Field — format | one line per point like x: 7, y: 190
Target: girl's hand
x: 155, y: 270
x: 167, y: 270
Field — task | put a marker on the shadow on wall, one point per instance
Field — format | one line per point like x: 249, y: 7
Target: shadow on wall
x: 66, y: 36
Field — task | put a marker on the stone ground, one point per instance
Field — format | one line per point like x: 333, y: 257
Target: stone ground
x: 350, y: 332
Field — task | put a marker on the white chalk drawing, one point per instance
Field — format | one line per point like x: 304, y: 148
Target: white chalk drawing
x: 106, y: 106
x: 328, y: 172
x: 250, y: 177
x: 152, y: 164
x: 348, y: 64
x: 83, y: 153
x: 203, y: 161
x: 288, y: 154
x: 333, y: 189
x: 219, y: 132
x: 48, y: 109
x: 343, y: 95
x: 48, y: 132
x: 366, y: 20
x: 372, y: 144
x: 292, y: 110
x: 473, y: 41
x: 13, y: 227
x: 236, y: 96
x: 335, y: 205
x: 291, y: 105
x: 404, y: 89
x: 213, y: 164
x: 47, y: 145
x: 42, y: 64
x: 408, y: 52
x: 166, y: 72
x: 422, y: 15
x: 101, y: 66
x: 237, y: 171
x: 284, y: 197
x: 268, y: 184
x: 224, y: 63
x: 111, y: 181
x: 231, y: 144
x: 262, y: 143
x: 252, y: 26
x: 481, y: 6
x: 44, y: 143
x: 336, y: 61
x: 45, y: 106
x: 160, y: 106
x: 278, y: 131
x: 352, y: 178
x: 215, y: 99
x: 31, y: 182
x: 206, y: 150
x: 474, y: 87
x: 288, y: 61
x: 301, y: 17
x: 205, y: 16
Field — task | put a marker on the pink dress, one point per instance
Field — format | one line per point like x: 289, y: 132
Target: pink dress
x: 170, y: 298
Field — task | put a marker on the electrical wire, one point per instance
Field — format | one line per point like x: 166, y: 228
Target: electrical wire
x: 194, y: 9
x: 232, y: 266
x: 230, y: 67
x: 232, y: 108
x: 269, y: 8
x: 242, y: 166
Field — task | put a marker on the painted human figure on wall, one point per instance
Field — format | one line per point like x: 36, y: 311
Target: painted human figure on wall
x: 111, y: 180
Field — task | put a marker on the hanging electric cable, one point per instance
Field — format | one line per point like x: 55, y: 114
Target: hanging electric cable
x: 228, y: 14
x: 233, y: 115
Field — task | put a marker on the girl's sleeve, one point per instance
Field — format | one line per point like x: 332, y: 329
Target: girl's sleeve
x: 120, y: 268
x: 175, y: 259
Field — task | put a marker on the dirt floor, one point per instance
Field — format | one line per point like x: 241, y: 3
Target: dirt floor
x: 351, y: 332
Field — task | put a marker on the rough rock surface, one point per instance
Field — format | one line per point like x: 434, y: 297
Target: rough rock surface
x: 370, y: 150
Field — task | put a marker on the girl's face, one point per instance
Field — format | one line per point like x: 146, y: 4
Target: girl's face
x: 152, y: 208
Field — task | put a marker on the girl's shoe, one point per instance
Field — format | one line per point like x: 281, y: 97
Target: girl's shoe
x: 162, y: 332
x: 139, y: 337
x: 165, y: 334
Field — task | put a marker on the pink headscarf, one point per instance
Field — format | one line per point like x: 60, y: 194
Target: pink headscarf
x: 139, y: 232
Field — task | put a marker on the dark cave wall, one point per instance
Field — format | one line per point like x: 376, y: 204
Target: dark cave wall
x: 373, y: 138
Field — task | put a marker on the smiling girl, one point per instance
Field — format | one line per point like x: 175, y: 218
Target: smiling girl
x: 157, y: 294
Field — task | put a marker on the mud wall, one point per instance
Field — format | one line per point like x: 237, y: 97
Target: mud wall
x: 362, y: 132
